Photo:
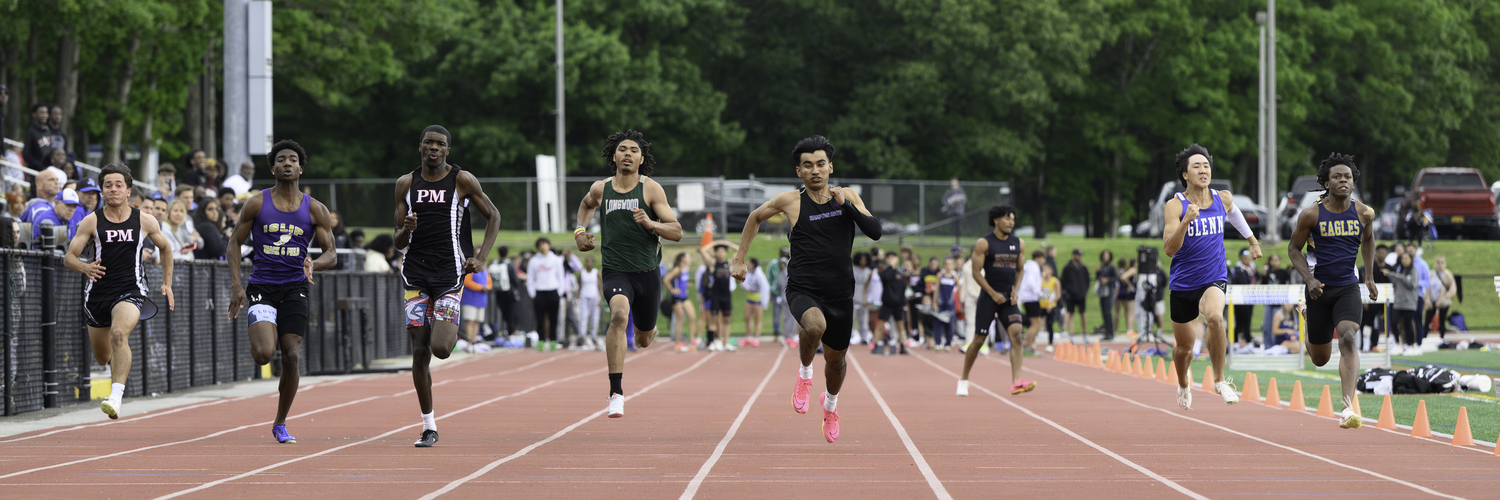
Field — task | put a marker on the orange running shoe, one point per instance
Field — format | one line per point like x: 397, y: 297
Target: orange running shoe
x: 1021, y: 386
x: 800, y: 394
x: 830, y: 422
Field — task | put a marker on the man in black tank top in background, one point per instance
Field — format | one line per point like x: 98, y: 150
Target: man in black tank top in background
x: 429, y: 226
x: 996, y: 257
x: 820, y: 277
x: 115, y: 298
x: 636, y: 216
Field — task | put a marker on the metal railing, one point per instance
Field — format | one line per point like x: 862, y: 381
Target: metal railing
x: 354, y: 318
x: 913, y: 208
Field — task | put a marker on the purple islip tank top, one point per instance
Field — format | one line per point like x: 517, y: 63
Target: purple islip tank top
x: 280, y: 242
x: 1200, y: 261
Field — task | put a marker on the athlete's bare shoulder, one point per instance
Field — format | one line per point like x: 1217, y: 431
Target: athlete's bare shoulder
x: 1226, y: 195
x: 786, y: 199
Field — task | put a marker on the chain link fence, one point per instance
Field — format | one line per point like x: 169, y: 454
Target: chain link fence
x: 355, y: 318
x: 907, y: 208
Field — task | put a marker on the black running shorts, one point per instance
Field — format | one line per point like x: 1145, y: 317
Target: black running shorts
x: 642, y: 289
x: 1075, y: 304
x: 720, y: 304
x: 283, y: 305
x: 1185, y: 303
x: 987, y: 311
x: 100, y: 314
x: 893, y: 312
x: 838, y: 316
x: 1033, y: 309
x: 1337, y: 304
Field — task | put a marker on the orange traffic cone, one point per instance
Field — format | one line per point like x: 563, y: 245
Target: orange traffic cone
x: 1273, y: 395
x: 1148, y: 370
x: 1419, y: 427
x: 1461, y: 434
x: 1208, y: 378
x: 1251, y: 392
x: 1161, y: 372
x: 1171, y: 377
x: 708, y: 231
x: 1387, y: 419
x: 1325, y: 406
x: 1109, y: 363
x: 1298, y: 401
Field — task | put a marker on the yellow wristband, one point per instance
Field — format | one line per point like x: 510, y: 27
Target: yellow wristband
x: 577, y: 230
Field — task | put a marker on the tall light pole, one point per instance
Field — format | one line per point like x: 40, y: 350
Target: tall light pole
x: 562, y: 144
x: 1270, y: 185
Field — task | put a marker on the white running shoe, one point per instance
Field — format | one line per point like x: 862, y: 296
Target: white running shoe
x: 111, y: 407
x: 616, y: 406
x: 963, y: 388
x: 1185, y: 398
x: 1226, y: 389
x: 1350, y: 420
x: 462, y: 345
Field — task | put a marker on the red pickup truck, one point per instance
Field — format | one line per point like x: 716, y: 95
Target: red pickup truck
x: 1460, y: 201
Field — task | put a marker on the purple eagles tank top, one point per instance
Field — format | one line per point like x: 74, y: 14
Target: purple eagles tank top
x: 280, y: 242
x: 1335, y: 245
x: 1200, y: 261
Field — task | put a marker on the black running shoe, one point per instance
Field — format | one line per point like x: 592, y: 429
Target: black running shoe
x: 429, y: 438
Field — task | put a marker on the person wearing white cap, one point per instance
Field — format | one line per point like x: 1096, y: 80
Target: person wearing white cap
x: 88, y: 201
x: 59, y: 213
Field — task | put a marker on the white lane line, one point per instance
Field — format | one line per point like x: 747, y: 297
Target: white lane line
x: 125, y: 420
x: 932, y: 480
x: 528, y: 390
x: 258, y: 424
x: 1415, y: 486
x: 692, y: 487
x: 492, y: 465
x: 1138, y: 467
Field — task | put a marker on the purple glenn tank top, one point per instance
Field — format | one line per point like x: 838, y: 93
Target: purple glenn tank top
x: 1200, y: 262
x: 280, y: 242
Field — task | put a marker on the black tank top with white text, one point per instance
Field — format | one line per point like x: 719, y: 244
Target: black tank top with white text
x: 1000, y: 262
x: 435, y: 246
x: 117, y: 247
x: 821, y: 244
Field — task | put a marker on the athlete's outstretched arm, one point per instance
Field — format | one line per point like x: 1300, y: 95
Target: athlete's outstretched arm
x: 1016, y: 290
x: 232, y: 252
x: 777, y: 204
x: 323, y: 234
x: 85, y: 233
x: 1305, y: 222
x: 981, y: 248
x: 469, y: 185
x: 1174, y: 229
x: 152, y: 229
x: 855, y: 207
x: 1367, y: 247
x: 406, y: 222
x: 586, y: 206
x: 668, y: 226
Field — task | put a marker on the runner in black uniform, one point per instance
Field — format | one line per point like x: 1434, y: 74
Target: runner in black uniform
x: 996, y: 256
x: 279, y: 224
x: 115, y: 298
x: 1339, y: 229
x: 430, y: 214
x: 820, y: 277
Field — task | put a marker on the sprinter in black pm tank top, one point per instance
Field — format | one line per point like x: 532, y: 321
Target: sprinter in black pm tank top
x: 430, y: 208
x: 996, y: 257
x: 820, y: 277
x: 115, y: 298
x: 1338, y: 230
x: 636, y: 217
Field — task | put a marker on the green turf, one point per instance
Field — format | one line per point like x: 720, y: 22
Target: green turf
x: 1442, y: 409
x: 1468, y: 360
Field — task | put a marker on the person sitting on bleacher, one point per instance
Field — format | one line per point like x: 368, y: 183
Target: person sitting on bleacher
x: 1284, y: 332
x: 60, y: 211
x: 47, y: 187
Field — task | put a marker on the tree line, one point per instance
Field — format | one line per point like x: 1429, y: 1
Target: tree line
x: 1080, y: 103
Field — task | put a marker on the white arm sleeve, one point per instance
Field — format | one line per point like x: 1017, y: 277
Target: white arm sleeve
x: 1237, y: 219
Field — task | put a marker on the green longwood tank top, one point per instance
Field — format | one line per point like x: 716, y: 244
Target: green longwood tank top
x: 625, y: 245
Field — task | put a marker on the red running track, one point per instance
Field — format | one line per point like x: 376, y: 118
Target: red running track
x: 522, y: 424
